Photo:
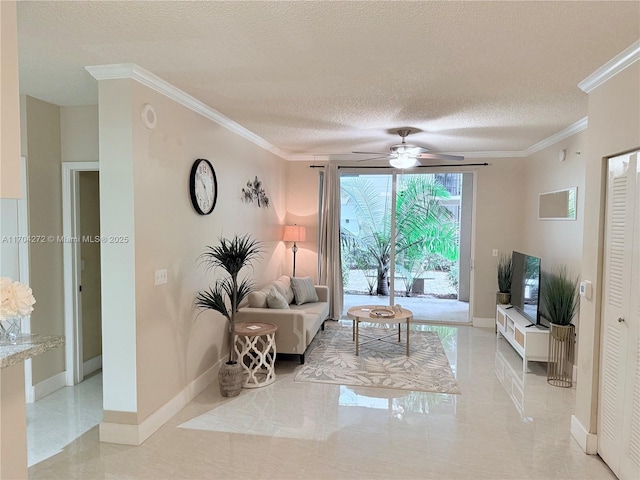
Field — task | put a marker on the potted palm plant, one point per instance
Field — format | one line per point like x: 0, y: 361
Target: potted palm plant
x: 505, y: 273
x: 224, y: 296
x: 560, y: 301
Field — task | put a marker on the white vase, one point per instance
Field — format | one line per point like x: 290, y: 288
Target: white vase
x: 10, y: 329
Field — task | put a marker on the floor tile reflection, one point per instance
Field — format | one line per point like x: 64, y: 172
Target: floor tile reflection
x: 58, y: 419
x: 502, y: 426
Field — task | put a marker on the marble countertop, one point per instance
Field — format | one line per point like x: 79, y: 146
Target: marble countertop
x: 28, y: 346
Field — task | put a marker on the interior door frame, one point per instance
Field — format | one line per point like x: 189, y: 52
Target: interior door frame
x: 613, y: 455
x: 71, y: 267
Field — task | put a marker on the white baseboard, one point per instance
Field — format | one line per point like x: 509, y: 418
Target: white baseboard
x: 48, y: 386
x: 136, y: 434
x: 484, y: 322
x: 29, y: 394
x: 587, y: 441
x: 92, y: 365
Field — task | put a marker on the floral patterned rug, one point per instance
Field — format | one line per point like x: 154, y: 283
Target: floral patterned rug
x: 380, y: 364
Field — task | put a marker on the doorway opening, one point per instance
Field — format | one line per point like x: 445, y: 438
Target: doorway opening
x: 81, y: 256
x: 406, y: 239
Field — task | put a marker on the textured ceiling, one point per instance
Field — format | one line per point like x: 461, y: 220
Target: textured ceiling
x: 333, y: 77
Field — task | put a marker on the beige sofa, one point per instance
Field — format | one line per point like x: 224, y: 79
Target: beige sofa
x: 297, y: 324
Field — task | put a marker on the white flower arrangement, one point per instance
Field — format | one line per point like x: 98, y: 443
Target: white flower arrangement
x: 17, y: 299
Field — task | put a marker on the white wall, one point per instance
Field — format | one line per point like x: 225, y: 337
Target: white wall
x: 498, y: 225
x: 79, y: 131
x: 167, y: 343
x: 614, y: 128
x: 45, y: 222
x: 10, y: 186
x: 556, y: 242
x: 303, y: 196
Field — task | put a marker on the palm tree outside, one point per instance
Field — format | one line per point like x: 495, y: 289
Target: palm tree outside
x: 426, y: 233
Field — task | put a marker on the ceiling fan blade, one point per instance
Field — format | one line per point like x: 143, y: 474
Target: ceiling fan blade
x: 370, y: 153
x: 439, y: 156
x: 373, y: 158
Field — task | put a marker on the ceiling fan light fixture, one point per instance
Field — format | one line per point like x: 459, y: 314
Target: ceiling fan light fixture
x: 403, y: 160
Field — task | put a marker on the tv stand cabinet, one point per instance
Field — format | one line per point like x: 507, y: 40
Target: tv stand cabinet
x: 531, y: 342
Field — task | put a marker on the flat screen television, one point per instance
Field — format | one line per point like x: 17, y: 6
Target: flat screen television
x: 525, y: 287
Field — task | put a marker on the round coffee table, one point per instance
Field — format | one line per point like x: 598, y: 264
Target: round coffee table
x: 362, y: 313
x: 255, y: 346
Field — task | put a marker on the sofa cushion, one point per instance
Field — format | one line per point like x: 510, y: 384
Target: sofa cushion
x: 303, y: 290
x: 283, y: 285
x: 316, y: 308
x: 258, y: 299
x: 276, y: 300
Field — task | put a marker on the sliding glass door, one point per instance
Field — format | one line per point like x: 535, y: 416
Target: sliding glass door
x: 402, y: 237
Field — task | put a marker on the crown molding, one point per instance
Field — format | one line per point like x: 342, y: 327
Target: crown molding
x: 572, y: 129
x: 490, y: 154
x: 139, y: 74
x: 308, y: 158
x: 614, y: 66
x: 579, y: 126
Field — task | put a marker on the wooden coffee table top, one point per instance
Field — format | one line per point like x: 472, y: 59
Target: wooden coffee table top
x: 362, y: 314
x: 255, y: 328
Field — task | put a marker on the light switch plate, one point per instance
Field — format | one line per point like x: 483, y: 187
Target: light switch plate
x: 585, y: 289
x: 494, y: 252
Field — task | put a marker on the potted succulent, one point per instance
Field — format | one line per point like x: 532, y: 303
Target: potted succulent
x: 224, y: 296
x: 505, y: 273
x: 560, y: 301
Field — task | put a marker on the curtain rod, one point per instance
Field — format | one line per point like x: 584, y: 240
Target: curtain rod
x: 417, y: 166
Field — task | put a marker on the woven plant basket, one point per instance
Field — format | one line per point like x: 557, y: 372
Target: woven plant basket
x: 503, y: 298
x: 230, y: 379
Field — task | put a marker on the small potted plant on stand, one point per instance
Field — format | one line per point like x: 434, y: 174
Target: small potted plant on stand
x: 560, y: 302
x: 505, y: 272
x: 226, y: 294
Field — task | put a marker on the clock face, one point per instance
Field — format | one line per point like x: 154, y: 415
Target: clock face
x: 203, y: 187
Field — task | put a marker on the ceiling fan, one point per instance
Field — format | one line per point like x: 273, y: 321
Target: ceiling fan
x: 406, y: 155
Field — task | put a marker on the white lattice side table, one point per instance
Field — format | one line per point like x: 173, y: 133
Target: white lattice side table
x: 255, y: 346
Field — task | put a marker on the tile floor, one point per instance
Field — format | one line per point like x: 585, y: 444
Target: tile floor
x: 503, y: 426
x: 58, y: 419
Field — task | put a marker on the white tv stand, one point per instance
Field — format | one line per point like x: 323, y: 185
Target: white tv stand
x: 531, y: 342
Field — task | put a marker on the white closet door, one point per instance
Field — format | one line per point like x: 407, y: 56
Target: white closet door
x: 630, y: 461
x: 619, y: 355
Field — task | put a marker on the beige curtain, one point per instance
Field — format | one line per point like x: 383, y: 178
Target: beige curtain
x: 329, y: 257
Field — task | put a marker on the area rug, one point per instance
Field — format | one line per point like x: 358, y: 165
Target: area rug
x: 380, y: 364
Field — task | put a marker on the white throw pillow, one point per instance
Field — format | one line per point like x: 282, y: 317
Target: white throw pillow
x: 258, y: 299
x: 283, y: 285
x: 276, y: 300
x: 304, y: 290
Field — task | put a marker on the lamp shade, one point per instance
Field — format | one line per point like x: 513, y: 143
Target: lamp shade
x: 294, y: 233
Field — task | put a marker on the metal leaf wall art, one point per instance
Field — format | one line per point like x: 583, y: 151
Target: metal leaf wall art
x: 254, y: 192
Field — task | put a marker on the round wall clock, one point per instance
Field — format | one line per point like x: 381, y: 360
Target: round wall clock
x: 203, y: 186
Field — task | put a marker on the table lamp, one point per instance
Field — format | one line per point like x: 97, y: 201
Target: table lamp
x: 294, y: 233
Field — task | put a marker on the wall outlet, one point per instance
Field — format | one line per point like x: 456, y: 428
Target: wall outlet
x: 161, y: 276
x: 494, y: 252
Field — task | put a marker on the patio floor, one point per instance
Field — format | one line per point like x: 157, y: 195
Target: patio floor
x: 425, y: 307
